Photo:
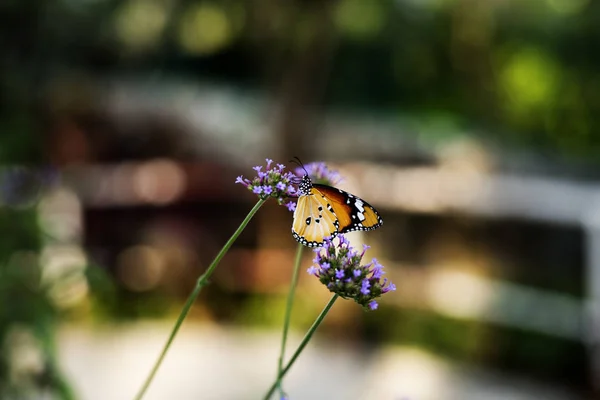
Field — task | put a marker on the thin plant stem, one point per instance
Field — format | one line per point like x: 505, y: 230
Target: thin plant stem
x: 288, y: 313
x: 302, y: 345
x: 202, y: 281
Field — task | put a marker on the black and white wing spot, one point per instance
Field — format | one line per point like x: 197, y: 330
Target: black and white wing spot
x: 363, y: 216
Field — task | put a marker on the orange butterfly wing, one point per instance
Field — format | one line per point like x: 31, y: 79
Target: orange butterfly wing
x: 353, y: 213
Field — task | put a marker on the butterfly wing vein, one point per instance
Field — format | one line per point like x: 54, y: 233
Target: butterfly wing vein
x: 314, y: 220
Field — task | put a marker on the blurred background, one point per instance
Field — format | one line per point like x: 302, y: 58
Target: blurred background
x: 469, y: 124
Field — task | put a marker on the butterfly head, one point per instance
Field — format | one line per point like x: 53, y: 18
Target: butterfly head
x: 305, y: 186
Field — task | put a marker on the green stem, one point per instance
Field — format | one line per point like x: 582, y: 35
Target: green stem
x: 202, y: 281
x: 303, y: 344
x: 288, y: 313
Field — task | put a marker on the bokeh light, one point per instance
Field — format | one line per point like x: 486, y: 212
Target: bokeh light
x: 139, y: 23
x: 360, y: 20
x: 141, y: 268
x: 530, y: 82
x: 205, y: 28
x: 568, y: 7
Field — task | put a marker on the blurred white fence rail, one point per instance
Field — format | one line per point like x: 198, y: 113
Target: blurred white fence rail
x: 469, y: 192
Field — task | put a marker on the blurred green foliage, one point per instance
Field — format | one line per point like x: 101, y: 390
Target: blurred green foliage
x: 524, y: 73
x: 28, y: 317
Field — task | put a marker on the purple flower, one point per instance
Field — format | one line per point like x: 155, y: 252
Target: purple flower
x: 338, y: 267
x: 344, y: 241
x: 272, y: 182
x: 389, y: 288
x: 320, y: 173
x: 290, y: 205
x: 377, y: 269
x: 364, y: 286
x: 365, y: 248
x: 352, y: 252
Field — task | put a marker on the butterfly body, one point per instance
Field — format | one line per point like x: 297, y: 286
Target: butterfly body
x: 324, y: 211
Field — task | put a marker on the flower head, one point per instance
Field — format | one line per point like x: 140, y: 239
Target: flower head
x: 320, y: 173
x: 338, y: 266
x: 272, y: 182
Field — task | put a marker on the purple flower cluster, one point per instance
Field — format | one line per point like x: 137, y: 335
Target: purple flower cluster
x: 338, y: 267
x: 272, y: 182
x: 320, y: 173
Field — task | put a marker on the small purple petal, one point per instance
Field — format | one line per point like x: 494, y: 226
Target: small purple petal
x: 257, y: 189
x: 344, y: 240
x: 280, y: 186
x: 325, y: 265
x: 339, y: 273
x: 377, y: 269
x: 373, y: 305
x: 389, y: 288
x: 269, y: 162
x: 356, y: 273
x: 291, y: 205
x: 365, y: 285
x: 267, y: 190
x: 258, y: 168
x: 377, y: 272
x: 365, y: 248
x: 313, y: 271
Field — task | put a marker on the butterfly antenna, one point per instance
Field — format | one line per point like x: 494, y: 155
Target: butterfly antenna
x: 296, y: 160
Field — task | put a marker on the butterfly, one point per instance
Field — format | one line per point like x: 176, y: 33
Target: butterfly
x: 324, y: 211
